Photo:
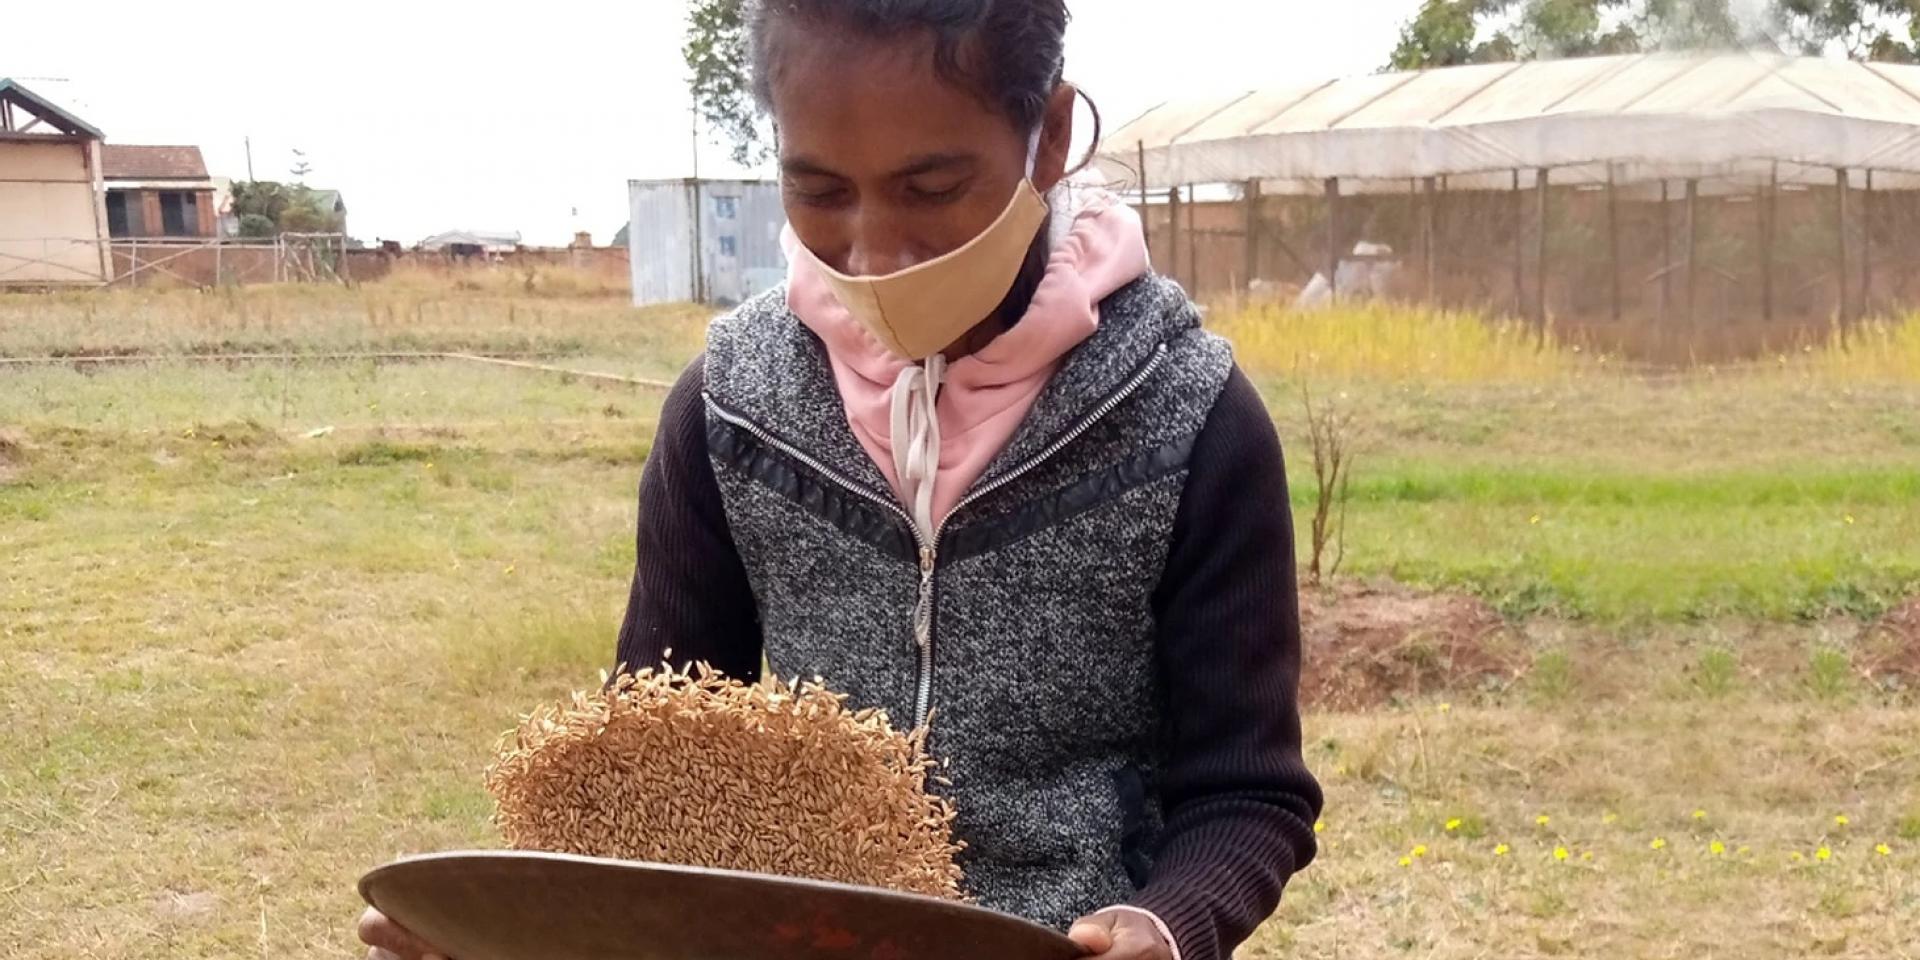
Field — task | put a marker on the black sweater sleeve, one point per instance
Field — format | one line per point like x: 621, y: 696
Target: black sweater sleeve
x: 691, y: 598
x: 1240, y: 802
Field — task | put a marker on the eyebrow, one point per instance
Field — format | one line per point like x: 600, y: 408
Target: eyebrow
x: 803, y: 166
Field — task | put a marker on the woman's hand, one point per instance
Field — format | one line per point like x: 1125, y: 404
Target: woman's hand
x: 1121, y: 935
x: 387, y: 940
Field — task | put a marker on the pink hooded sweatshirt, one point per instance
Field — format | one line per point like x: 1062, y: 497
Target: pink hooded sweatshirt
x: 1097, y: 248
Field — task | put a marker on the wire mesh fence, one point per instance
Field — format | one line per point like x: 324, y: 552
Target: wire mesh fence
x: 1731, y: 265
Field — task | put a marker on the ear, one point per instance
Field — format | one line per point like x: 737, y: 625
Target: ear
x: 1056, y: 139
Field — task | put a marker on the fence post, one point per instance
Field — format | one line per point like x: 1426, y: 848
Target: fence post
x: 1519, y: 248
x: 1333, y: 238
x: 1540, y: 254
x: 1173, y: 234
x: 1840, y: 238
x: 1146, y: 234
x: 1613, y: 237
x: 1666, y: 254
x: 1769, y: 216
x: 1429, y: 235
x: 1193, y: 240
x: 1866, y: 249
x: 1693, y: 245
x: 1253, y: 232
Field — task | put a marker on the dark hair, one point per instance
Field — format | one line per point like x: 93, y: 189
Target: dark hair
x: 1009, y: 53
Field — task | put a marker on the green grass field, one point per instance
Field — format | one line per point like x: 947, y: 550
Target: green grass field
x: 260, y: 624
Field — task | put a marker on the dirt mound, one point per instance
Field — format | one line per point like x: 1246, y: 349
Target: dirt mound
x: 1366, y: 644
x: 1895, y: 645
x: 13, y: 453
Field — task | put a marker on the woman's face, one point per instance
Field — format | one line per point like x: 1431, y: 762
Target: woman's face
x: 884, y: 164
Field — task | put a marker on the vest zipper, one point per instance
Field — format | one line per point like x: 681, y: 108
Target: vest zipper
x: 930, y: 549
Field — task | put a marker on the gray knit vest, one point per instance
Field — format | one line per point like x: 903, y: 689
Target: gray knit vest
x: 1040, y: 669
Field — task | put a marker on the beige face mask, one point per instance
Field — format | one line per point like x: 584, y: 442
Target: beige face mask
x: 920, y: 311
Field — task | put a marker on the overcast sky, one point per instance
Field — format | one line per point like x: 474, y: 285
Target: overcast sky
x: 432, y: 116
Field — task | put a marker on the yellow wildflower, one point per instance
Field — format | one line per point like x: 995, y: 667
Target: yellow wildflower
x: 1420, y: 850
x: 1445, y: 707
x: 1823, y: 854
x: 1699, y: 814
x: 1502, y: 850
x: 1406, y: 861
x: 1453, y: 824
x: 1586, y: 854
x: 1840, y: 820
x: 1659, y: 843
x: 1717, y: 848
x: 1561, y: 854
x: 1883, y: 850
x: 1319, y: 826
x: 1543, y: 820
x: 1609, y: 817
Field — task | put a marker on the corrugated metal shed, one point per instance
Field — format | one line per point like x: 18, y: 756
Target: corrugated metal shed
x: 734, y: 225
x: 1645, y: 117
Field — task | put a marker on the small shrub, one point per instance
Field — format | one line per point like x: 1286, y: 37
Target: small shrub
x: 1716, y: 672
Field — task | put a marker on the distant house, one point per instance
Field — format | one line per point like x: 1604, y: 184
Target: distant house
x: 159, y: 191
x: 53, y: 228
x: 471, y: 243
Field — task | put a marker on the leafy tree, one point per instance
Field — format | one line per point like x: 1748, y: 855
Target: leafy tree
x: 258, y: 225
x: 1452, y: 32
x: 716, y: 54
x: 1862, y: 29
x: 265, y: 208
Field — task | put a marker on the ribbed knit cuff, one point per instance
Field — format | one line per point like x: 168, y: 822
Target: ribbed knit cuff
x: 1201, y: 903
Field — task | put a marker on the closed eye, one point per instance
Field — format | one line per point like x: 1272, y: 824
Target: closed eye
x: 935, y: 195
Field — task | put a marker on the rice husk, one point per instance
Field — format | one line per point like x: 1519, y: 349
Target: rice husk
x: 693, y: 769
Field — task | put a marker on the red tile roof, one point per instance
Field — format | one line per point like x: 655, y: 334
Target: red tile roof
x: 121, y: 161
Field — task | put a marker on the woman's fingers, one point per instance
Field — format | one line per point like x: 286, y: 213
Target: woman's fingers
x: 388, y: 940
x: 1093, y: 934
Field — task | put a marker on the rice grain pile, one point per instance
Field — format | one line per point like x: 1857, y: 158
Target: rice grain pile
x: 697, y: 770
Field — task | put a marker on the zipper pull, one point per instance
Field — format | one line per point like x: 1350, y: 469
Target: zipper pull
x: 923, y: 609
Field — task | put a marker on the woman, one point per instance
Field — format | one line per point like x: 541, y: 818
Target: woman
x: 974, y: 462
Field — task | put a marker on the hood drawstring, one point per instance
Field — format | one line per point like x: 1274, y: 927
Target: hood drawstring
x: 915, y: 430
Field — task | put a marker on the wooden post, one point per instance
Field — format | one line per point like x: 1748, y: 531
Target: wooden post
x: 1253, y: 233
x: 1173, y: 234
x: 695, y: 206
x: 1866, y: 249
x: 1430, y: 235
x: 1333, y: 237
x: 1666, y: 254
x: 1693, y: 245
x: 1519, y: 248
x: 1193, y: 242
x: 1840, y: 236
x: 1540, y: 253
x: 1613, y: 237
x: 1769, y: 217
x: 1146, y: 235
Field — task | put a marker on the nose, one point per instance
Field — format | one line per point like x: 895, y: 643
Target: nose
x: 878, y: 247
